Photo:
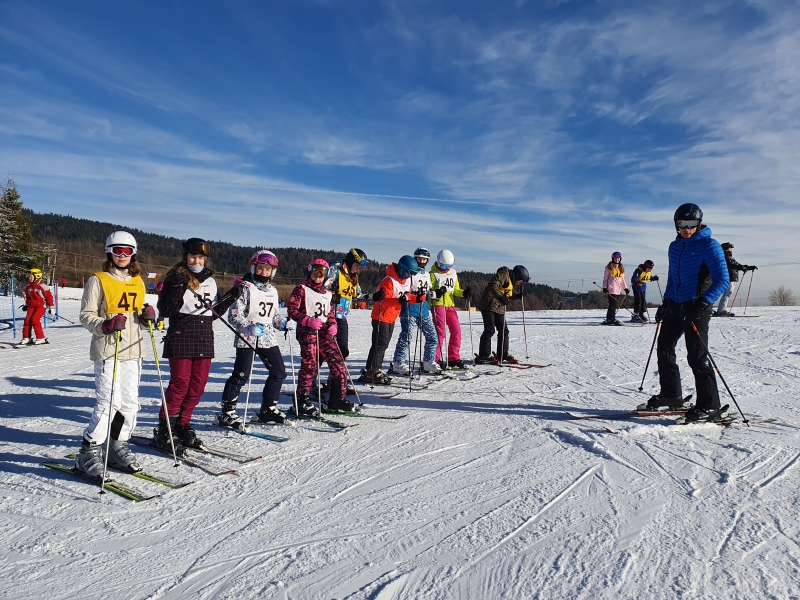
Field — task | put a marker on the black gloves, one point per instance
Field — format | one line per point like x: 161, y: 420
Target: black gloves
x: 654, y: 278
x: 753, y: 268
x: 115, y: 323
x: 504, y: 300
x: 24, y: 308
x: 402, y: 299
x: 516, y: 296
x: 421, y: 297
x: 379, y: 295
x: 696, y: 310
x: 466, y: 293
x: 605, y: 290
x: 236, y: 291
x: 627, y: 291
x: 662, y: 310
x: 179, y: 279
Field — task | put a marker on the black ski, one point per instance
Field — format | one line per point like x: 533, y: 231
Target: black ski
x: 112, y: 486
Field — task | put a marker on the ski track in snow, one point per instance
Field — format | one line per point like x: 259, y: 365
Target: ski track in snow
x: 485, y: 490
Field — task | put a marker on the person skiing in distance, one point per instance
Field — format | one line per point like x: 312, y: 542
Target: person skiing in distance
x: 37, y: 299
x: 393, y: 291
x: 444, y: 282
x: 113, y: 304
x: 733, y: 273
x: 641, y: 276
x: 697, y: 277
x: 311, y: 308
x: 493, y: 302
x: 613, y: 286
x: 342, y: 281
x: 191, y: 302
x: 413, y: 314
x: 256, y: 318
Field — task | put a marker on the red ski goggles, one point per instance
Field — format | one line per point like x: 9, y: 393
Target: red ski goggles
x: 121, y: 250
x: 319, y: 269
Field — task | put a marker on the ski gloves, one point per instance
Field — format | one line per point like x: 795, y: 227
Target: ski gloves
x: 315, y: 324
x: 695, y: 309
x: 24, y: 308
x: 254, y: 330
x: 605, y: 290
x: 504, y: 300
x: 654, y: 278
x: 115, y: 323
x: 148, y: 314
x: 466, y: 293
x: 379, y: 295
x: 402, y: 299
x: 50, y: 310
x: 333, y: 329
x: 662, y: 310
x: 747, y: 268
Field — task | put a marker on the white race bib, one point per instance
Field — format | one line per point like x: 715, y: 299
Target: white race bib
x: 263, y: 305
x: 191, y: 303
x: 420, y: 283
x: 318, y: 306
x: 446, y: 280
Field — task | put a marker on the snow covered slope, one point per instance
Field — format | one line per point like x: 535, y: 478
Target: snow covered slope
x: 486, y: 490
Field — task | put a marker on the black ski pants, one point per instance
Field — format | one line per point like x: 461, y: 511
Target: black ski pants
x: 381, y: 336
x: 272, y: 359
x: 674, y: 325
x: 342, y: 337
x: 493, y: 322
x: 639, y: 302
x: 614, y: 301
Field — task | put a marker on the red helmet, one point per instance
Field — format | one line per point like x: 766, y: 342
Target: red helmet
x: 317, y: 264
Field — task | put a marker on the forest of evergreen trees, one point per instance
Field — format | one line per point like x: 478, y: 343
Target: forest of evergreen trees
x: 80, y: 247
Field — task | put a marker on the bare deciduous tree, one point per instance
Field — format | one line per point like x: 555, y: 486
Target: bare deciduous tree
x: 783, y: 296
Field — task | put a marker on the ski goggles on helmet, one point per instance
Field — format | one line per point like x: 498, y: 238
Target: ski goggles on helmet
x: 197, y: 247
x: 616, y: 255
x: 265, y: 259
x: 318, y: 269
x: 687, y: 223
x: 121, y: 250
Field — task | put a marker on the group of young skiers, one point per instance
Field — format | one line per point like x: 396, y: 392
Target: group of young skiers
x: 113, y: 309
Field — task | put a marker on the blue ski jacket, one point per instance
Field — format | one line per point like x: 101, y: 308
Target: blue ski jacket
x: 697, y: 268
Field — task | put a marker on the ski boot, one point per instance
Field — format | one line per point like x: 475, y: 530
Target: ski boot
x: 161, y: 435
x: 305, y: 407
x: 457, y: 364
x: 375, y: 377
x: 399, y: 369
x: 120, y: 457
x: 509, y: 360
x: 706, y: 415
x: 189, y: 436
x: 337, y: 403
x: 351, y: 391
x: 430, y: 367
x: 90, y: 459
x: 270, y: 413
x: 484, y: 360
x: 39, y: 342
x: 635, y: 319
x: 657, y: 403
x: 229, y: 418
x: 25, y: 342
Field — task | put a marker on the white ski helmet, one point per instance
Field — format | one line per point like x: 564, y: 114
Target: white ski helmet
x: 445, y: 259
x: 264, y: 257
x: 120, y: 238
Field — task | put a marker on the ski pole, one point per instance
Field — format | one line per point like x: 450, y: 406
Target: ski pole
x: 346, y: 372
x: 738, y: 287
x: 294, y: 377
x: 471, y: 343
x: 163, y: 395
x: 319, y: 373
x: 117, y: 339
x: 659, y: 291
x: 752, y: 273
x: 713, y: 362
x: 619, y: 304
x: 649, y: 356
x: 413, y: 363
x: 210, y: 307
x: 524, y: 327
x: 249, y: 381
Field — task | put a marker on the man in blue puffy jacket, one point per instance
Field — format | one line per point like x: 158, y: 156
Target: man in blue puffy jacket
x: 697, y: 277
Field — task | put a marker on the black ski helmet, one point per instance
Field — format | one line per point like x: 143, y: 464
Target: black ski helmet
x: 687, y: 212
x: 649, y: 264
x: 196, y: 246
x: 520, y: 273
x: 356, y: 255
x: 727, y: 246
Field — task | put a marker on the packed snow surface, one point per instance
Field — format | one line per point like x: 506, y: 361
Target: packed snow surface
x: 487, y: 489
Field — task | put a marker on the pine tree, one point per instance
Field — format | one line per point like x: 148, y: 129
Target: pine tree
x: 17, y: 252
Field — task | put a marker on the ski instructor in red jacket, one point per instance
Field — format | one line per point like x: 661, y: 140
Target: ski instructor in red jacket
x: 37, y: 299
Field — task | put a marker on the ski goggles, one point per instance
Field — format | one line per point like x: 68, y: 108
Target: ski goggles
x: 364, y: 263
x: 265, y: 259
x: 319, y: 269
x: 121, y: 250
x: 687, y: 223
x: 203, y: 248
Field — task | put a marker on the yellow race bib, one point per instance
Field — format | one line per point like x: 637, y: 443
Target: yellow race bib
x: 122, y: 296
x: 346, y: 288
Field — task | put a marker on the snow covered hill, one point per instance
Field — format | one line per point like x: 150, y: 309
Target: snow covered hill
x: 487, y: 489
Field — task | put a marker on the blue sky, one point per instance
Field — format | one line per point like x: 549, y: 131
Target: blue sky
x: 547, y: 133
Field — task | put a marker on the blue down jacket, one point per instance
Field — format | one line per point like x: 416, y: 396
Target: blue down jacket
x: 696, y: 268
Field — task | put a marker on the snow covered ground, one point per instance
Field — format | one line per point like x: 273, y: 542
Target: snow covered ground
x: 486, y: 490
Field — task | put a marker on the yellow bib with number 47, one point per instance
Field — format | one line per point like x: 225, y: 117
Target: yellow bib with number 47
x: 122, y: 296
